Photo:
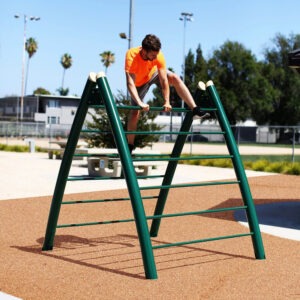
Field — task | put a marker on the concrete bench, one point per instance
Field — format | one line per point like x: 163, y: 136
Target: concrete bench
x: 105, y: 166
x: 112, y: 167
x: 58, y: 153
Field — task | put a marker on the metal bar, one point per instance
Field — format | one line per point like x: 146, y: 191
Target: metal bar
x: 156, y: 132
x: 202, y: 240
x: 183, y: 214
x: 240, y: 172
x: 152, y: 108
x: 130, y: 176
x: 174, y: 186
x: 183, y: 158
x: 105, y: 200
x: 66, y: 165
x: 171, y: 168
x: 77, y: 178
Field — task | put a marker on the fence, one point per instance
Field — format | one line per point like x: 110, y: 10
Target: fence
x: 243, y: 134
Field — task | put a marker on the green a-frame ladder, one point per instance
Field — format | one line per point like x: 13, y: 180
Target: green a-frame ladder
x: 97, y: 94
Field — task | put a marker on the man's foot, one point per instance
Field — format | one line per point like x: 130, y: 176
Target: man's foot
x: 199, y: 114
x: 131, y: 148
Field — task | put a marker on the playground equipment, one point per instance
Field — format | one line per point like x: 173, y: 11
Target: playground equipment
x: 97, y: 94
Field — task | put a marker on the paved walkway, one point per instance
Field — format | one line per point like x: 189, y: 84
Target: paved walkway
x: 33, y: 174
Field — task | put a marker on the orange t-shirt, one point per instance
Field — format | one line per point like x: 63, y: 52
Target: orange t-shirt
x: 142, y: 69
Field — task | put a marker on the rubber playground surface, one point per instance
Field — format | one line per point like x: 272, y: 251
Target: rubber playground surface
x: 104, y: 261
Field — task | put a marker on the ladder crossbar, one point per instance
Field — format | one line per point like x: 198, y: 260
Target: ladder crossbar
x: 155, y: 132
x: 188, y: 185
x: 78, y: 178
x: 183, y: 158
x: 106, y: 200
x: 152, y: 108
x: 190, y: 213
x: 202, y: 240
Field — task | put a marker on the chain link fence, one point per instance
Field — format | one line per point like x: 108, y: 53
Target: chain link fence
x: 276, y: 135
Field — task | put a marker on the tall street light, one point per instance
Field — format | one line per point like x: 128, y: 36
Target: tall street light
x: 123, y: 34
x: 24, y: 58
x: 185, y: 17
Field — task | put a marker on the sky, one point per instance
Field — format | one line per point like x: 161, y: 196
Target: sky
x: 86, y: 28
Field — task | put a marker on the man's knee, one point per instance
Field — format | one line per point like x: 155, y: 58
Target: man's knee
x: 174, y: 79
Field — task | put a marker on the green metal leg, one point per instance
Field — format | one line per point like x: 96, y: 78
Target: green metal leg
x: 130, y: 176
x: 171, y: 168
x: 65, y: 166
x: 240, y: 172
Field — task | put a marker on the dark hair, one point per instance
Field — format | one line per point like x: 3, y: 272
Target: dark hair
x: 151, y: 43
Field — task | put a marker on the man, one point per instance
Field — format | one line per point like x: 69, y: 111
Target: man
x: 145, y: 65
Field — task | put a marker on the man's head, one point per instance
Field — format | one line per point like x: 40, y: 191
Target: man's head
x: 150, y: 47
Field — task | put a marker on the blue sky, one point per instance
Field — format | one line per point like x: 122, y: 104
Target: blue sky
x: 86, y: 28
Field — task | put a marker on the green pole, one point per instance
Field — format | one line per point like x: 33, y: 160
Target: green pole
x: 170, y: 171
x: 240, y: 172
x: 66, y: 165
x: 130, y: 177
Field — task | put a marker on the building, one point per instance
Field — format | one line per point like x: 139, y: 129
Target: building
x: 47, y: 109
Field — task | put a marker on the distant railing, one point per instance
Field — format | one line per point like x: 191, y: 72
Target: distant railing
x: 202, y: 132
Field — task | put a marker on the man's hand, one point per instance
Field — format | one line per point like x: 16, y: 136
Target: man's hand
x: 167, y: 107
x: 144, y: 106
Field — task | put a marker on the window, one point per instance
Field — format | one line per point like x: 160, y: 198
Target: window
x: 53, y: 120
x: 53, y: 103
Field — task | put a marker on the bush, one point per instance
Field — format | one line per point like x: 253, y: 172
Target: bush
x: 261, y: 165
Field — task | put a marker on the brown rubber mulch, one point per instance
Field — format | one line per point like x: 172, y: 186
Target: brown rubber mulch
x: 104, y: 261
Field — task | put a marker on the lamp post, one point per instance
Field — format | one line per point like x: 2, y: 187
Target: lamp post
x: 123, y: 34
x: 185, y: 17
x: 24, y: 59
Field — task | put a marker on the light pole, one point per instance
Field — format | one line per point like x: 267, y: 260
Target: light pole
x: 24, y: 58
x: 185, y: 17
x: 123, y: 34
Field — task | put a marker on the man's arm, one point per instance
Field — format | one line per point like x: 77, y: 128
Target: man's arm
x: 130, y: 78
x: 162, y: 73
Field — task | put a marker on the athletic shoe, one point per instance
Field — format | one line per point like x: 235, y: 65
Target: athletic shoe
x: 199, y: 114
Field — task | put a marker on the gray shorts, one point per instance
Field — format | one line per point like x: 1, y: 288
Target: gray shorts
x: 143, y: 89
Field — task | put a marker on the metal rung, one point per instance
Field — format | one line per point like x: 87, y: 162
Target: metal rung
x: 106, y: 200
x: 202, y: 240
x: 190, y: 213
x: 152, y: 108
x: 183, y: 158
x: 77, y: 178
x: 155, y: 132
x: 188, y: 185
x: 172, y: 132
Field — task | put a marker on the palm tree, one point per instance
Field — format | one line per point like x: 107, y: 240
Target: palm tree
x: 107, y: 58
x: 66, y: 61
x: 31, y: 47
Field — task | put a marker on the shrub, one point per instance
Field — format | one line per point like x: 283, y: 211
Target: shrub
x: 259, y: 165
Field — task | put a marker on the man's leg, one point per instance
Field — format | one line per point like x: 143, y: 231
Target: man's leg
x: 134, y: 114
x: 185, y: 95
x: 132, y: 126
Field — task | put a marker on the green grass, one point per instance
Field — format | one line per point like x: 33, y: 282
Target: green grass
x: 265, y: 163
x: 18, y: 148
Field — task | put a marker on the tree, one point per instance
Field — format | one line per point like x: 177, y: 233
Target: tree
x: 31, y: 47
x: 41, y: 91
x: 107, y: 58
x: 66, y: 61
x: 63, y: 92
x: 235, y: 71
x: 101, y: 122
x: 284, y: 80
